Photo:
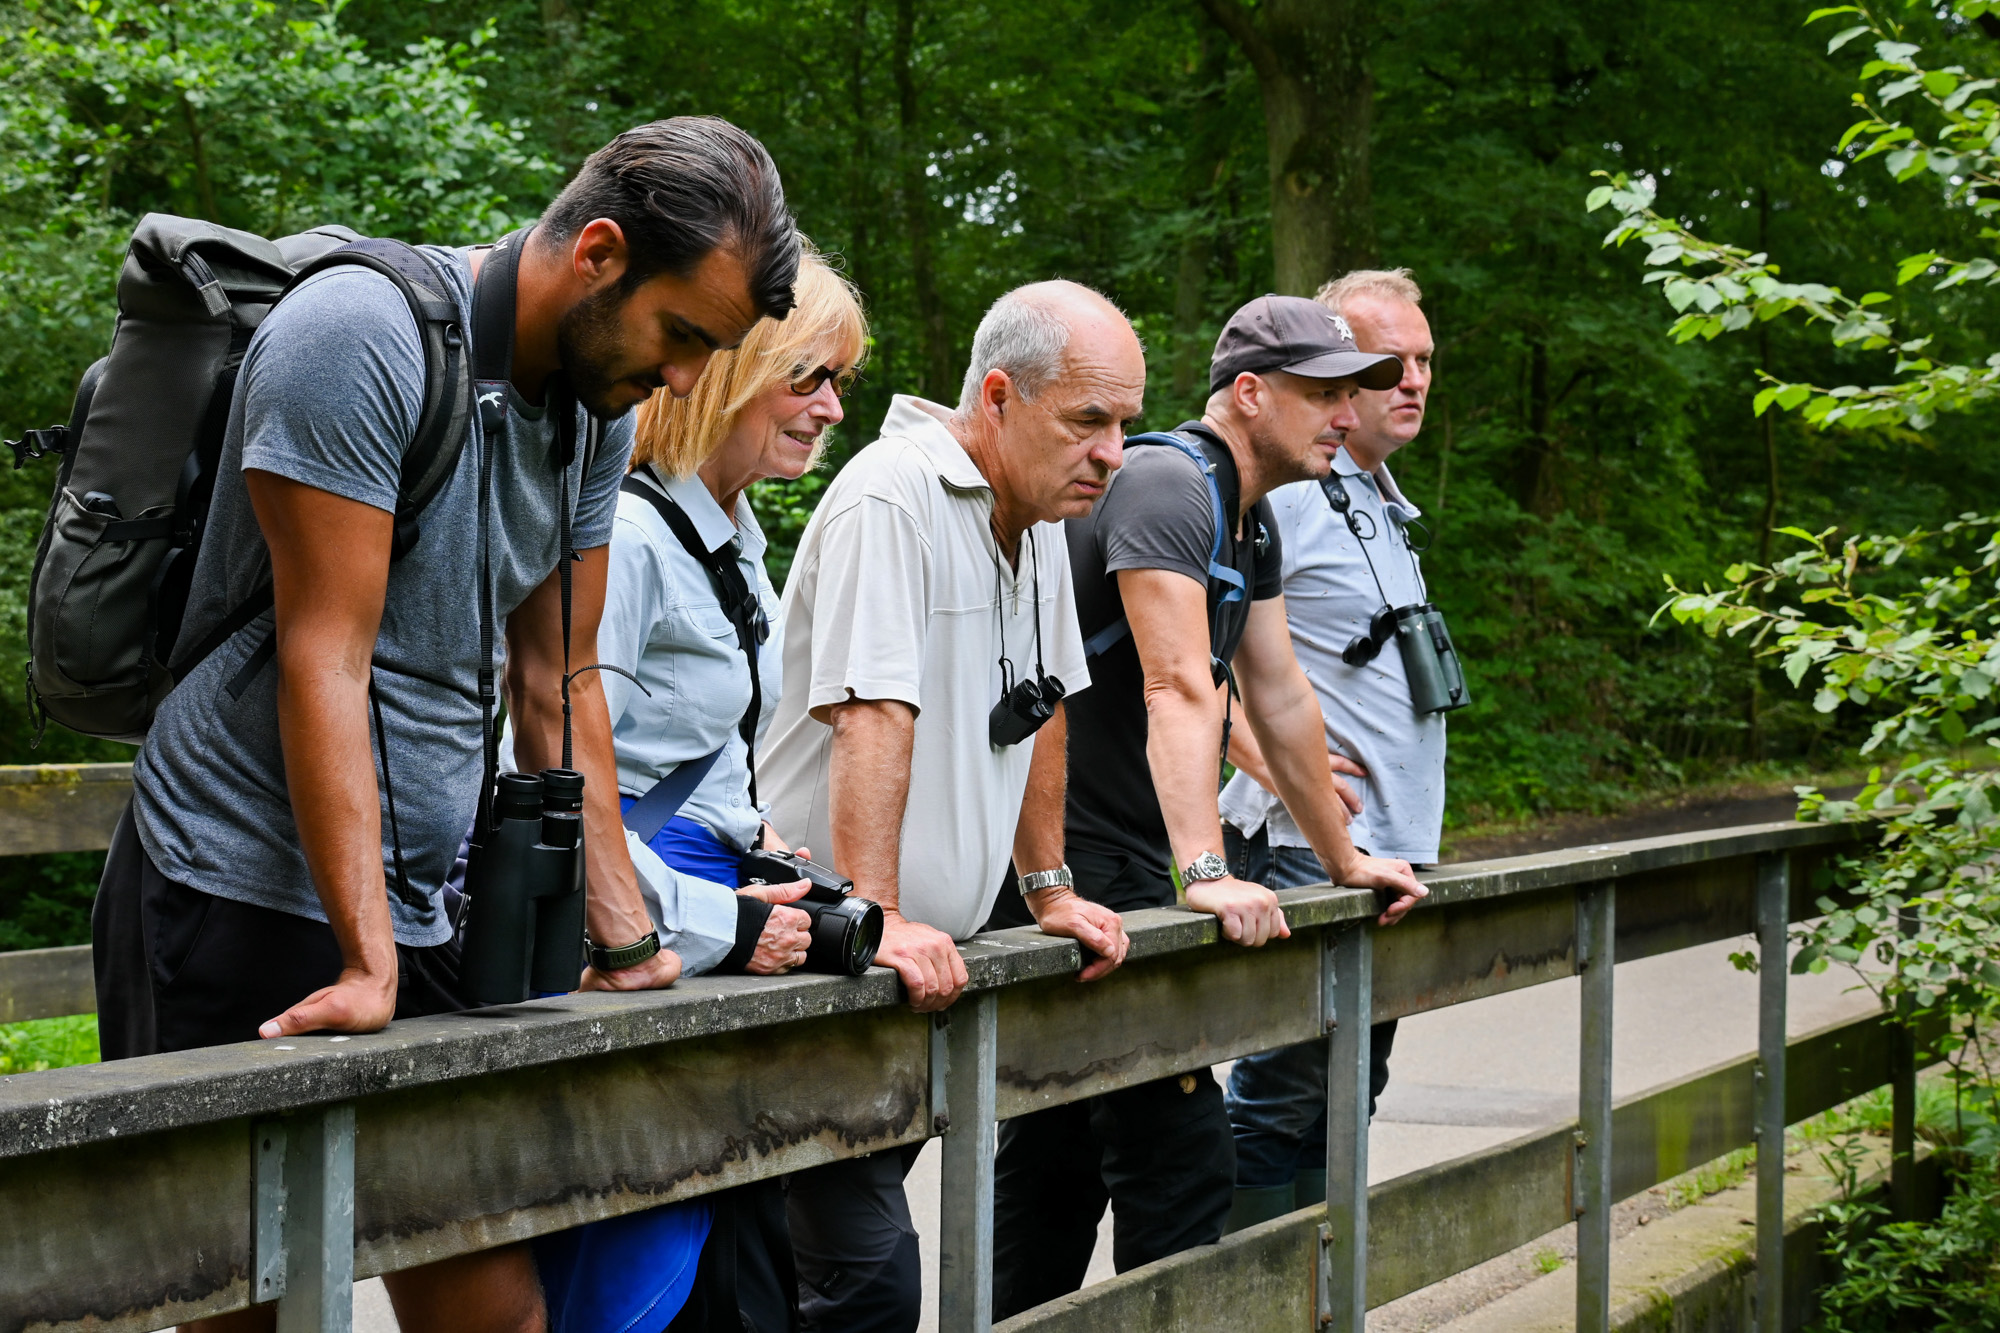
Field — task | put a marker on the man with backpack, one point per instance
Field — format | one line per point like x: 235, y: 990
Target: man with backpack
x: 1177, y: 576
x: 303, y: 791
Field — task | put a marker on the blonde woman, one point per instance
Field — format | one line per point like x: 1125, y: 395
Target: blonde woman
x: 762, y: 411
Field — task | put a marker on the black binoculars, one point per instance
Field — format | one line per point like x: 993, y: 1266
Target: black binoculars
x: 846, y: 931
x: 1437, y: 681
x: 1023, y: 709
x: 524, y: 891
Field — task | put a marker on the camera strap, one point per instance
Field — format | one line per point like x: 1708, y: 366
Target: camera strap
x: 739, y: 602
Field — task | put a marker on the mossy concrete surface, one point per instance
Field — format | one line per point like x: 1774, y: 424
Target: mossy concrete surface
x: 1695, y: 1271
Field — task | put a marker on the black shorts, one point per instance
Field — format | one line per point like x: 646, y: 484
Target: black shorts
x: 177, y: 968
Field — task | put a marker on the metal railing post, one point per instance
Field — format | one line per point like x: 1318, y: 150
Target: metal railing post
x: 1347, y: 983
x: 308, y: 1214
x: 1596, y: 922
x: 965, y: 1189
x: 1773, y: 975
x: 1903, y: 1101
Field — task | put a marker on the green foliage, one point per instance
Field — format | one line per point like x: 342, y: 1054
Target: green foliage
x: 48, y: 1043
x: 45, y: 900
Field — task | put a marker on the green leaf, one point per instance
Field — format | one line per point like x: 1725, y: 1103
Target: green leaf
x: 1844, y: 36
x: 1597, y: 198
x: 1826, y: 700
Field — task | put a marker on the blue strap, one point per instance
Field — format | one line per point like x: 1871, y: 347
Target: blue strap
x: 650, y: 813
x: 1231, y: 581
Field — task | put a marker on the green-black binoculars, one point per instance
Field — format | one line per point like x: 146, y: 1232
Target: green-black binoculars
x: 1437, y: 681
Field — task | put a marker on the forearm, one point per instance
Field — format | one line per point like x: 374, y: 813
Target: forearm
x: 330, y: 777
x: 1246, y: 754
x: 615, y: 911
x: 869, y: 791
x: 1292, y: 736
x: 1038, y: 836
x: 1183, y: 745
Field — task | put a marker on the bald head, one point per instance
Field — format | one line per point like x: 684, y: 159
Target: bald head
x: 1028, y: 333
x: 1056, y: 376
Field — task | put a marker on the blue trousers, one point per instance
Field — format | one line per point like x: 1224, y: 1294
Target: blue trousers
x: 1276, y: 1100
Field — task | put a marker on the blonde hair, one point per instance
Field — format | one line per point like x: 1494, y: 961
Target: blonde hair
x: 826, y: 326
x: 1395, y: 284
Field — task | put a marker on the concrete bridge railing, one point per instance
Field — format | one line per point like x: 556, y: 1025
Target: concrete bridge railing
x: 145, y: 1192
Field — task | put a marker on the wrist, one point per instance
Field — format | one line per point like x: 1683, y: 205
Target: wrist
x: 1040, y: 901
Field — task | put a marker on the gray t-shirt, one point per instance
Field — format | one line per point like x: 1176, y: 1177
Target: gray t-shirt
x: 329, y: 395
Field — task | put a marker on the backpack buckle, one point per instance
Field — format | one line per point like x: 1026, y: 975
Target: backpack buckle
x: 39, y: 444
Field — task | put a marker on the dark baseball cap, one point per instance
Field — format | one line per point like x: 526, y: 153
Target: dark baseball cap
x: 1303, y: 337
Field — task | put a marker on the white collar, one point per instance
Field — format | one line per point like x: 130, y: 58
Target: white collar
x: 923, y: 424
x: 1345, y: 466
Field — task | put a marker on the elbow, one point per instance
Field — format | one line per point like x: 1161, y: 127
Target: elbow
x: 1180, y: 693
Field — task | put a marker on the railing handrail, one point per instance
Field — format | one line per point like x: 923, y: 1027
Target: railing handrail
x: 56, y: 1109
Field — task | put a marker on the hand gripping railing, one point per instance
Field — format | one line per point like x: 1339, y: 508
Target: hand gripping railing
x: 136, y: 1194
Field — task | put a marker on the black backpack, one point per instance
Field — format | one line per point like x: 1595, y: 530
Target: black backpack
x: 144, y: 441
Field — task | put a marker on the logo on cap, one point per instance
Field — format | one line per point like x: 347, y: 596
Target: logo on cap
x: 1341, y: 325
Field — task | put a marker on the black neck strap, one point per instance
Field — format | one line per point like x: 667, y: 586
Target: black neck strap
x: 493, y: 301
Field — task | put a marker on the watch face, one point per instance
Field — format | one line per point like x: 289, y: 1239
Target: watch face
x: 1206, y: 866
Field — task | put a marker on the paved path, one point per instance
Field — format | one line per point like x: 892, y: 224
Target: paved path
x: 1479, y: 1074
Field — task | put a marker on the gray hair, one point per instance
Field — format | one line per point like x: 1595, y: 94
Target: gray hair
x: 1024, y: 334
x: 1393, y: 284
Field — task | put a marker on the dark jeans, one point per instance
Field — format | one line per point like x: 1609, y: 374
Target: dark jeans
x: 1277, y: 1099
x: 855, y: 1245
x: 1159, y: 1153
x: 177, y: 968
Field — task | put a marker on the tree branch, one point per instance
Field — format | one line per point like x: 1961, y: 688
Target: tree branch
x: 1234, y: 19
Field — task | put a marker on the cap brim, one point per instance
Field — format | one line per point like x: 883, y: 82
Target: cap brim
x: 1368, y: 369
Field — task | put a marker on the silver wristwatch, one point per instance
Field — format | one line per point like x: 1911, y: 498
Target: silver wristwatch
x: 1206, y: 866
x: 1047, y: 879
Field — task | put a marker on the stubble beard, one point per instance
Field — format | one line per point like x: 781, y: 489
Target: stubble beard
x: 587, y: 344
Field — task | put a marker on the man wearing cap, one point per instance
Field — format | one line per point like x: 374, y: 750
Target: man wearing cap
x: 1336, y: 579
x: 1168, y: 605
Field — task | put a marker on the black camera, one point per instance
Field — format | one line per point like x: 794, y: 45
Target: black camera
x: 1023, y: 709
x: 524, y: 893
x: 846, y: 931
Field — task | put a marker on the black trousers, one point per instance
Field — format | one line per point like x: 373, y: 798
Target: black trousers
x: 1161, y: 1154
x: 855, y: 1245
x: 178, y: 969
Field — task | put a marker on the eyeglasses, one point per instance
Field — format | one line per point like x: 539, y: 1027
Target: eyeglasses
x: 807, y: 383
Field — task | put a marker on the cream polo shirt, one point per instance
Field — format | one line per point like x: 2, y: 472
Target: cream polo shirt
x: 893, y: 596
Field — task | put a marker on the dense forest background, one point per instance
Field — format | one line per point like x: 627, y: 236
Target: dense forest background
x: 1182, y: 156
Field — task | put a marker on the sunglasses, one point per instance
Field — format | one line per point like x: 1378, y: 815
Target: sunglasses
x: 806, y: 384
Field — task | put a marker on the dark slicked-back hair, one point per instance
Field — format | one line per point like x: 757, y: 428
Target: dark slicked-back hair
x: 678, y: 189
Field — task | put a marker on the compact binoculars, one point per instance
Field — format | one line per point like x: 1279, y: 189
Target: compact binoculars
x: 524, y: 891
x: 1437, y: 681
x: 1023, y: 709
x: 846, y: 931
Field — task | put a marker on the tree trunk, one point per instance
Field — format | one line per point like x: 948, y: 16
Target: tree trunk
x: 934, y: 345
x: 1207, y: 151
x: 1311, y: 58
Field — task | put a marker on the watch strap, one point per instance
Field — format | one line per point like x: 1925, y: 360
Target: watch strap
x: 1037, y: 880
x: 625, y: 955
x: 1203, y: 868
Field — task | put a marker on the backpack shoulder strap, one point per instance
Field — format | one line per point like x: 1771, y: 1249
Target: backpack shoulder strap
x: 434, y: 451
x: 447, y: 403
x: 1231, y: 587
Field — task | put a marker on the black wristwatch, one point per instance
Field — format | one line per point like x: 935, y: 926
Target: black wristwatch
x: 626, y: 955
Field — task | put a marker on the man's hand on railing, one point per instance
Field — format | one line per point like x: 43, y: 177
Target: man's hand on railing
x: 1249, y: 913
x: 358, y: 1001
x: 1387, y: 873
x: 1098, y: 929
x: 926, y: 960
